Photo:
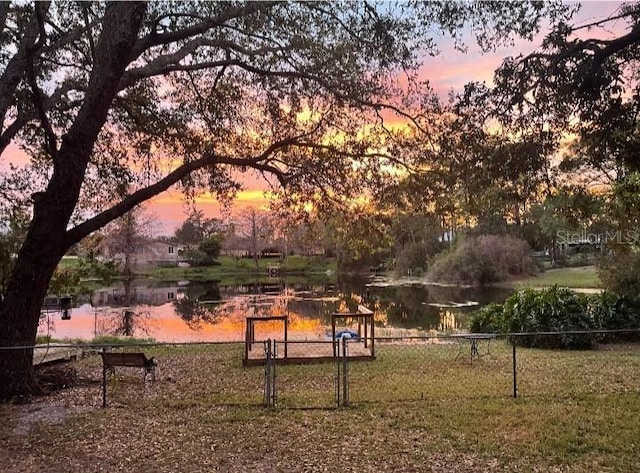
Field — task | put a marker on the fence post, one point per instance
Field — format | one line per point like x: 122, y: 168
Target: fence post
x: 274, y: 356
x: 104, y: 383
x: 267, y: 373
x: 515, y: 381
x: 336, y: 351
x: 345, y: 372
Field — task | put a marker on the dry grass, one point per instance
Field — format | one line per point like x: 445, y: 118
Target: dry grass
x: 416, y: 408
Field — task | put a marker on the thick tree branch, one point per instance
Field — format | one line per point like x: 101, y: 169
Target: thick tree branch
x: 4, y: 11
x: 155, y: 39
x: 132, y: 76
x: 9, y: 133
x: 51, y: 139
x: 260, y: 162
x: 602, y: 21
x: 92, y: 46
x: 615, y: 46
x: 80, y: 231
x: 171, y: 62
x: 601, y: 50
x: 26, y: 115
x: 16, y: 67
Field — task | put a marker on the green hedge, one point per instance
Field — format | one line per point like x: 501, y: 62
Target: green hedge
x: 557, y: 309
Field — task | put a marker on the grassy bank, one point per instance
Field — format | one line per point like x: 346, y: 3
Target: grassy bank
x: 577, y: 277
x: 415, y: 408
x: 246, y: 266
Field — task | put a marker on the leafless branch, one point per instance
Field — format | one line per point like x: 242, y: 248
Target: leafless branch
x: 601, y: 21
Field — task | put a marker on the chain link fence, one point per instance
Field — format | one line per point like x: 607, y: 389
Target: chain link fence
x: 408, y: 369
x: 326, y: 374
x: 186, y: 374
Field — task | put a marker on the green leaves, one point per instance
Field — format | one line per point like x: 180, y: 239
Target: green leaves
x: 557, y: 309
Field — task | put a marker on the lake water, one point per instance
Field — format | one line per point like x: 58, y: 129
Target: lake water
x: 186, y: 312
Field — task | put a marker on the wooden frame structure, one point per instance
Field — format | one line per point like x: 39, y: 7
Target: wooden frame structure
x: 365, y: 318
x: 361, y: 347
x: 250, y: 334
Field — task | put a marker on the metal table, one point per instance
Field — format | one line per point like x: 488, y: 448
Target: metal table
x: 474, y: 340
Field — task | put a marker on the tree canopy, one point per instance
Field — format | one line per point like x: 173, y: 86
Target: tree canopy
x: 116, y: 102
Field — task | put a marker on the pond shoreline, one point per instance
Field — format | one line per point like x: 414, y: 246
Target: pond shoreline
x: 583, y: 279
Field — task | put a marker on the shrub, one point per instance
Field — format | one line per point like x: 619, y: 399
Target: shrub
x: 198, y: 258
x: 412, y: 257
x: 43, y: 339
x: 168, y: 264
x: 554, y: 309
x: 612, y: 311
x: 483, y: 260
x: 115, y: 340
x: 211, y: 246
x: 488, y: 319
x: 620, y: 272
x: 551, y: 310
x: 560, y: 310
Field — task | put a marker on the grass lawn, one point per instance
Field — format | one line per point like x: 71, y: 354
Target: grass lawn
x: 69, y: 262
x: 577, y: 277
x: 415, y: 408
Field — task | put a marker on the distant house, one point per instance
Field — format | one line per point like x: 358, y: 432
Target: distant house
x: 234, y: 246
x: 235, y: 252
x: 144, y: 252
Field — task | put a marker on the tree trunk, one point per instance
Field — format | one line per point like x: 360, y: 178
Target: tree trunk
x: 47, y: 239
x: 21, y: 314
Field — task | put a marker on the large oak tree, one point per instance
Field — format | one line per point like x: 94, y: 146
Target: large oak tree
x: 584, y: 82
x: 117, y: 102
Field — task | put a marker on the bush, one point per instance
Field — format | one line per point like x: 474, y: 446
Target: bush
x: 551, y: 310
x: 615, y: 312
x: 115, y: 340
x: 482, y: 260
x: 620, y: 272
x: 44, y: 339
x: 199, y: 258
x: 211, y: 246
x: 168, y: 264
x: 560, y: 310
x: 488, y: 319
x: 554, y: 309
x: 411, y: 258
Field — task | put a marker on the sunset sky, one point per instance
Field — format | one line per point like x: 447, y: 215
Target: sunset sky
x: 450, y: 70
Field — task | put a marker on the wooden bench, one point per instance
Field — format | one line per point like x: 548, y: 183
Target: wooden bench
x: 136, y: 360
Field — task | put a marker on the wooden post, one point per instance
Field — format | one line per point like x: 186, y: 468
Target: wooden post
x: 373, y: 336
x: 365, y: 330
x: 286, y: 329
x: 246, y: 340
x: 333, y: 333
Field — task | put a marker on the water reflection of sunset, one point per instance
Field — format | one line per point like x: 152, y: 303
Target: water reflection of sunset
x: 307, y: 306
x: 164, y: 325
